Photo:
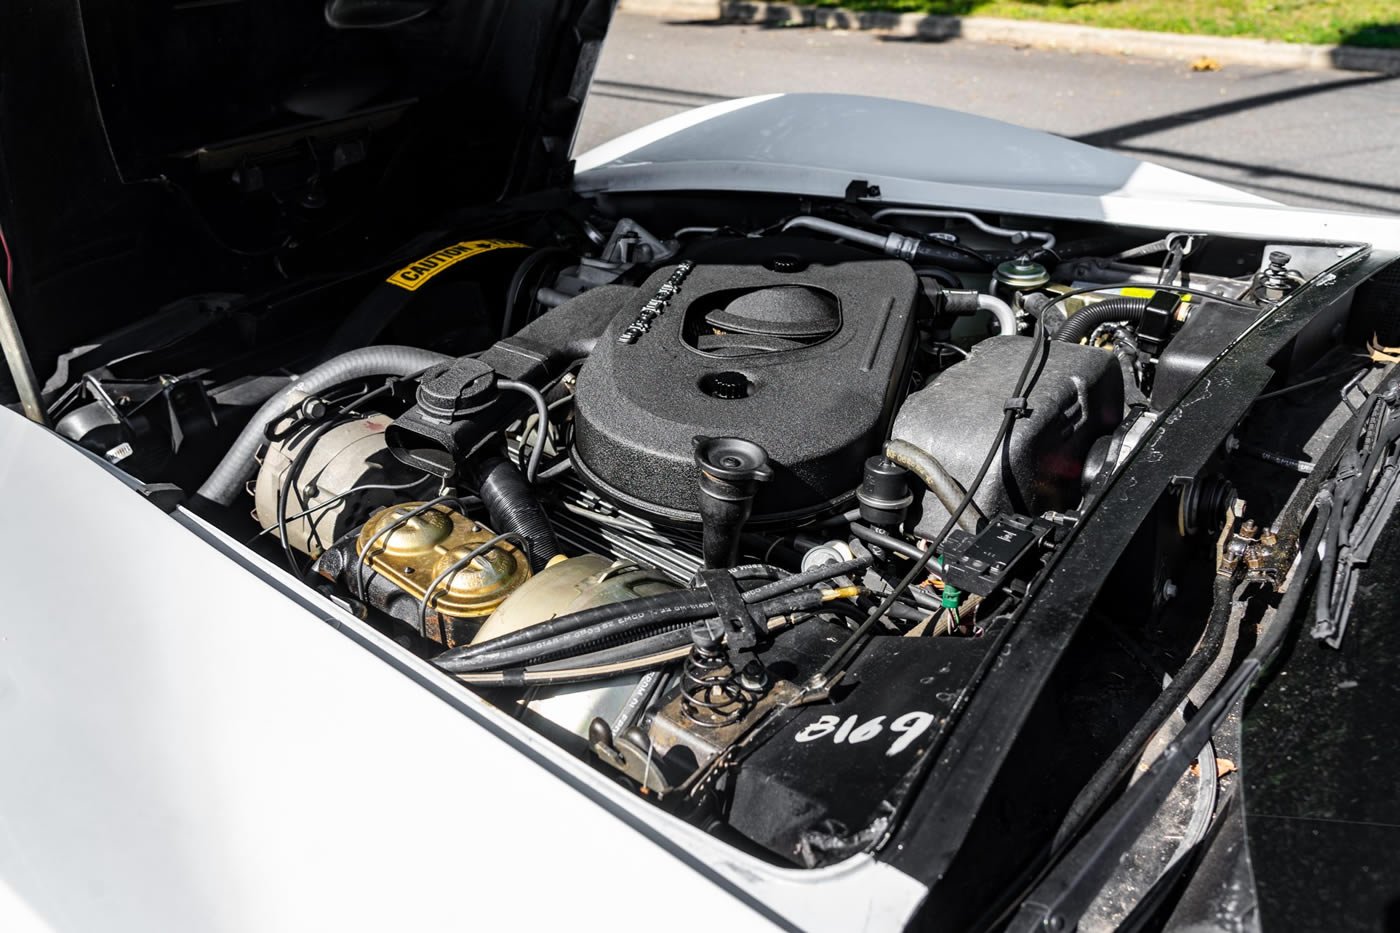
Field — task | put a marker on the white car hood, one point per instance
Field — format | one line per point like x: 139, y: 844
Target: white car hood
x: 194, y: 741
x: 816, y: 144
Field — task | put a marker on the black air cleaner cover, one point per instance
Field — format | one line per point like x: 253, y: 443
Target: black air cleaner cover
x: 809, y: 363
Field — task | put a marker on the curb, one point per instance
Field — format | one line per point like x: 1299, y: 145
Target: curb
x: 1063, y: 37
x: 677, y: 9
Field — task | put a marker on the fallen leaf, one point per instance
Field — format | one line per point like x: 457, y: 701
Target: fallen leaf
x: 1205, y: 63
x: 1223, y: 766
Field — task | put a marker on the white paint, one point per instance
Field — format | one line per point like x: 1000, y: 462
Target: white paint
x: 1151, y: 180
x: 972, y: 163
x: 189, y: 747
x: 618, y: 148
x: 905, y: 729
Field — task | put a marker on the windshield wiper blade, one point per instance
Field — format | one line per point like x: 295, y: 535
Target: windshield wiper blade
x: 1366, y: 489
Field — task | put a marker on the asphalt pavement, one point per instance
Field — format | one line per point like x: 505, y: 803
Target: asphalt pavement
x: 1307, y: 138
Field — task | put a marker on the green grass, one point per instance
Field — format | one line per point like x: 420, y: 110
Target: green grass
x: 1370, y: 23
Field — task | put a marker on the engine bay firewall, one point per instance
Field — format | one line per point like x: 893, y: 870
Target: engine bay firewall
x: 802, y: 358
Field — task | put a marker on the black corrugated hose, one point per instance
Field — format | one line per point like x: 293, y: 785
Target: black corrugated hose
x: 513, y: 507
x: 1082, y: 322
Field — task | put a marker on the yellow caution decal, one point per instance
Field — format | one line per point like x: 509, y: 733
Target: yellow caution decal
x: 1145, y: 292
x: 412, y: 276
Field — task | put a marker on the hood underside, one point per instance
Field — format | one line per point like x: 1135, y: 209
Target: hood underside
x: 197, y: 146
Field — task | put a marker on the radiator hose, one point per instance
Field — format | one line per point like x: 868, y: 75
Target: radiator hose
x: 938, y: 480
x: 1082, y: 322
x: 513, y: 507
x: 239, y: 464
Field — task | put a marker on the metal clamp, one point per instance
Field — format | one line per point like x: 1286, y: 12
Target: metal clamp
x: 740, y: 632
x: 1193, y: 241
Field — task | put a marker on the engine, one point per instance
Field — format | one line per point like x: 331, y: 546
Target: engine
x: 636, y: 567
x: 771, y: 482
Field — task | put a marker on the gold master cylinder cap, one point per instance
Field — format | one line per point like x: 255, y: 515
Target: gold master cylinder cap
x: 425, y: 546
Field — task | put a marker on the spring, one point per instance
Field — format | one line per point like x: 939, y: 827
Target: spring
x: 711, y: 695
x: 1275, y: 281
x: 1275, y: 278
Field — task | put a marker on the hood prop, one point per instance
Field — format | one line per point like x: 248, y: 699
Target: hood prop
x: 21, y: 369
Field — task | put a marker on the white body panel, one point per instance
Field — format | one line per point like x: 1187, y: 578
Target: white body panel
x: 194, y: 742
x: 816, y: 144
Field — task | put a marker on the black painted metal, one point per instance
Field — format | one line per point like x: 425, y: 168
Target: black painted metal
x: 942, y: 798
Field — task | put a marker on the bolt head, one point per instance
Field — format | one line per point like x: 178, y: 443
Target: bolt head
x: 753, y: 677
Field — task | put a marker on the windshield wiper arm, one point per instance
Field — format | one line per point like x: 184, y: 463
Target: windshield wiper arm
x: 1366, y: 489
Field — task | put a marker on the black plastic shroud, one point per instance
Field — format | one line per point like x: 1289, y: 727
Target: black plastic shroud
x: 817, y: 398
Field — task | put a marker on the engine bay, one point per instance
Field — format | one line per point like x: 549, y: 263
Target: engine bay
x: 731, y: 500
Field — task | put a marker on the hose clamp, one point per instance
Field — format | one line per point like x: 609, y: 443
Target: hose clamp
x: 1019, y: 407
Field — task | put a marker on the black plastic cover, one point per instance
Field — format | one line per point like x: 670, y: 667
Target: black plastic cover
x: 451, y: 405
x: 458, y: 407
x: 983, y: 563
x: 1205, y: 335
x: 1077, y: 397
x: 783, y: 311
x: 819, y: 409
x: 823, y: 787
x: 1157, y: 320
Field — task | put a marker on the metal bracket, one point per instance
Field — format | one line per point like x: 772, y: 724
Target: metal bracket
x: 1193, y: 240
x: 630, y: 753
x: 1355, y: 383
x: 740, y: 633
x: 1258, y: 556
